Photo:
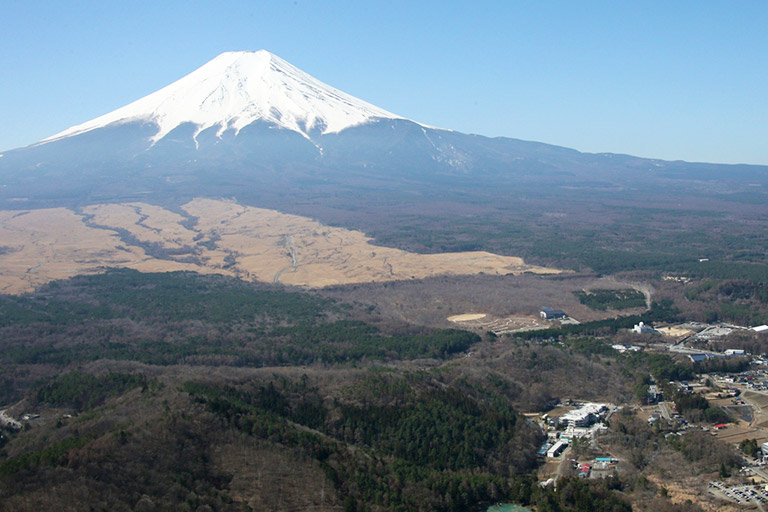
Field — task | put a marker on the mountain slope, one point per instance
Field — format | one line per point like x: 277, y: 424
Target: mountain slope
x: 251, y: 126
x: 234, y: 90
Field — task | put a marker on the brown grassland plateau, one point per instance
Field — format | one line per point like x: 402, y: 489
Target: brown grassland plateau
x: 214, y: 236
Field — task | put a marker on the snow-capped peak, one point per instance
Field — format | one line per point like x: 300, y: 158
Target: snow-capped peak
x: 237, y: 88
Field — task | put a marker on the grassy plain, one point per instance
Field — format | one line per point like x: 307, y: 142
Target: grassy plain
x: 214, y: 236
x: 43, y: 245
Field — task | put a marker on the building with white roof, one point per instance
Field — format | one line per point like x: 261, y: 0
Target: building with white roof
x: 585, y: 415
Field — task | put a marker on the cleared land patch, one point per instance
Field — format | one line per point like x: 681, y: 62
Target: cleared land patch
x: 499, y: 326
x: 466, y: 317
x: 674, y: 331
x: 215, y: 236
x: 511, y: 302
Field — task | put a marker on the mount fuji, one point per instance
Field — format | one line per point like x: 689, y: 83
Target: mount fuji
x: 239, y: 88
x: 252, y: 126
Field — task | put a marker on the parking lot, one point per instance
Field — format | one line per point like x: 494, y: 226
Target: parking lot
x: 740, y: 493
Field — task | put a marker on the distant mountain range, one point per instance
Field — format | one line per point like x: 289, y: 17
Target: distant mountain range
x: 252, y: 126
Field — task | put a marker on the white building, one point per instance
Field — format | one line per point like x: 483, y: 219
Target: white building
x: 624, y: 348
x: 585, y: 415
x: 557, y: 449
x: 642, y: 328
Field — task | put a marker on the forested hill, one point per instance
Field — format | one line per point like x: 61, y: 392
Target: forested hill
x: 142, y: 392
x: 151, y: 392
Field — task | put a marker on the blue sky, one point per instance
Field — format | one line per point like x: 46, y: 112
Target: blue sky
x: 674, y: 80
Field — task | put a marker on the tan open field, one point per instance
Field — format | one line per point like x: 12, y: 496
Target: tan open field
x: 39, y: 246
x: 760, y: 400
x: 738, y: 432
x: 466, y: 317
x: 215, y: 236
x: 759, y: 403
x: 674, y: 331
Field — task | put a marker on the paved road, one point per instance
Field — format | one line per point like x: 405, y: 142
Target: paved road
x: 565, y: 463
x: 759, y: 471
x: 665, y: 412
x: 687, y: 350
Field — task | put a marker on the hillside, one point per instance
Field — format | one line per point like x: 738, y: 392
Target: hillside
x: 240, y: 396
x: 188, y: 392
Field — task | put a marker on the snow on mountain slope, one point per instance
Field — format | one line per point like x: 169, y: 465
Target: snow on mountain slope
x: 237, y: 88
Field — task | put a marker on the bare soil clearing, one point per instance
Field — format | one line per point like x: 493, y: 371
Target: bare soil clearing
x: 466, y: 317
x: 506, y: 325
x: 675, y: 331
x: 214, y: 236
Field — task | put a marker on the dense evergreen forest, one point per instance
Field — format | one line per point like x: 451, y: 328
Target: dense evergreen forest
x: 607, y: 235
x: 177, y: 318
x: 611, y: 299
